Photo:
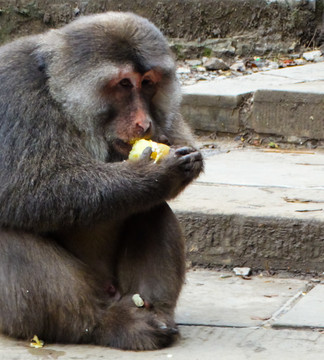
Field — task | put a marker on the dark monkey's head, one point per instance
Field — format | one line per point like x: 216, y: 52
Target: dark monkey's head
x: 114, y: 76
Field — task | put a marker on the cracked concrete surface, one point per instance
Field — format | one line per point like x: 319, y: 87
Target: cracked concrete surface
x: 223, y: 317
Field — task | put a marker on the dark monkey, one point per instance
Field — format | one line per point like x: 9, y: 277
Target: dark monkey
x: 82, y: 230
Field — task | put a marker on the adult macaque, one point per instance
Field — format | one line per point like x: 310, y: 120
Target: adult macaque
x: 81, y: 229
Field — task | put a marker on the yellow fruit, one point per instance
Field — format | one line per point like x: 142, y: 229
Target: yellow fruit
x: 138, y: 301
x: 158, y: 150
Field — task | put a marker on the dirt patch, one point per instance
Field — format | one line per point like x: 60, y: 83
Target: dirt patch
x: 271, y: 22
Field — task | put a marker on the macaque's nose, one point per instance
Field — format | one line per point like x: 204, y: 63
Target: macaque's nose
x: 143, y: 127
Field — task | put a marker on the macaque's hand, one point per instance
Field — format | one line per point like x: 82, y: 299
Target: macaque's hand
x: 173, y: 172
x: 179, y: 168
x: 186, y: 163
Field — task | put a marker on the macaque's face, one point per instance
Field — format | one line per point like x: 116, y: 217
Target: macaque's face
x: 116, y: 86
x: 130, y: 95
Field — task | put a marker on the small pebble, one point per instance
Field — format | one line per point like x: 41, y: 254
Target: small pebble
x: 225, y: 276
x: 183, y: 70
x: 190, y: 72
x: 312, y: 55
x: 242, y: 271
x: 194, y: 62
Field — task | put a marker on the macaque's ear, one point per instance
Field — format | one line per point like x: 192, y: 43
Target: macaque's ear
x: 180, y: 132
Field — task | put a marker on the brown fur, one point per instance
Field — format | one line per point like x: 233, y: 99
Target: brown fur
x: 82, y: 230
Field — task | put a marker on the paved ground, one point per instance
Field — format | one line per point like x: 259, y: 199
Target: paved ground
x: 262, y: 208
x: 222, y: 316
x: 259, y: 182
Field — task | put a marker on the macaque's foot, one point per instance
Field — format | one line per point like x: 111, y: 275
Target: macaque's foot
x: 135, y: 328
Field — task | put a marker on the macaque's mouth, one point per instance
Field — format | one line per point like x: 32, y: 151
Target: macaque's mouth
x: 122, y: 147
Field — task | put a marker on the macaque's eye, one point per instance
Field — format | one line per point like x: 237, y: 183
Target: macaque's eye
x: 126, y: 83
x: 147, y: 83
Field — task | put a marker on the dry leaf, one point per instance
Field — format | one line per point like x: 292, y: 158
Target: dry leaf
x: 273, y: 145
x: 302, y: 201
x: 260, y: 318
x: 285, y: 151
x: 36, y: 343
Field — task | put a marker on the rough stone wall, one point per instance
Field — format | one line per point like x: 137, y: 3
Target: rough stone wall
x: 260, y: 243
x: 186, y: 19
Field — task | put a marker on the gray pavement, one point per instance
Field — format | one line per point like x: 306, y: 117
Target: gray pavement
x: 261, y: 208
x: 222, y: 316
x: 259, y: 182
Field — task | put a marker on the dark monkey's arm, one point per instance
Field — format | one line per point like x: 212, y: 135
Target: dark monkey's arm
x: 87, y: 192
x: 42, y: 193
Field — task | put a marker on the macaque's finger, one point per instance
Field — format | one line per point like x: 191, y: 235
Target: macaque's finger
x: 146, y: 154
x: 191, y: 166
x: 191, y: 157
x: 184, y: 150
x: 164, y: 140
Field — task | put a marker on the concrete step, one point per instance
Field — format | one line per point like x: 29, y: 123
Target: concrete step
x: 221, y: 316
x: 258, y: 208
x: 286, y: 102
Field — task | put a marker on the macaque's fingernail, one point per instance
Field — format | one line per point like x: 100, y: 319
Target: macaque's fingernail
x: 162, y: 325
x: 163, y: 139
